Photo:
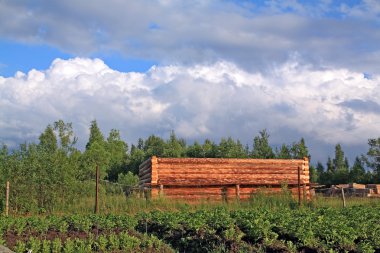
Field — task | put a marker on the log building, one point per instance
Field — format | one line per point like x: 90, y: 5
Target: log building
x: 221, y: 178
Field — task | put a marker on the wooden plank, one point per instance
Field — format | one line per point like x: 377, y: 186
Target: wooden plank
x: 163, y: 170
x: 144, y: 173
x: 219, y: 196
x: 232, y: 175
x: 247, y: 167
x: 144, y: 170
x: 212, y: 190
x: 228, y: 160
x: 200, y: 182
x: 146, y: 162
x: 226, y: 176
x: 146, y: 177
x: 174, y: 166
x: 146, y: 165
x: 184, y: 191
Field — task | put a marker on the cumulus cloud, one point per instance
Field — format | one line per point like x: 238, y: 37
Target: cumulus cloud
x: 292, y: 100
x: 252, y: 35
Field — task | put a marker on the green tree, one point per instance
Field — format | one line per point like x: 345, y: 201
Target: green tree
x: 174, y: 147
x: 128, y: 182
x: 313, y: 174
x: 46, y: 165
x: 118, y: 151
x: 137, y: 156
x: 140, y: 144
x: 96, y: 135
x: 195, y: 150
x: 357, y: 172
x: 66, y: 136
x: 228, y: 148
x: 284, y: 152
x: 154, y: 146
x: 240, y: 151
x: 299, y: 150
x: 4, y: 155
x: 329, y: 165
x: 210, y: 149
x: 328, y: 176
x: 48, y: 140
x: 320, y: 170
x: 261, y: 148
x: 96, y: 154
x: 340, y: 163
x: 4, y: 172
x: 373, y: 158
x: 339, y: 160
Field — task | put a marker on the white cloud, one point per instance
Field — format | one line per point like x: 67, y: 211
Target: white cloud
x: 326, y: 106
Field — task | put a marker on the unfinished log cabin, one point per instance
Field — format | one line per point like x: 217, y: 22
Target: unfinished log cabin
x: 223, y: 179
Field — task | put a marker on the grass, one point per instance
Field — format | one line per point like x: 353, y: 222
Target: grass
x: 118, y: 203
x: 336, y: 202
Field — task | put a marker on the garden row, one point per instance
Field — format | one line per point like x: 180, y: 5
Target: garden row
x: 355, y: 229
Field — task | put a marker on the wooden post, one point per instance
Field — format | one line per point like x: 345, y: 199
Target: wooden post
x: 343, y: 198
x: 224, y: 194
x: 238, y: 192
x: 299, y: 186
x: 97, y: 190
x: 7, y: 200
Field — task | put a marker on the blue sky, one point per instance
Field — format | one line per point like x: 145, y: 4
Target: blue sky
x: 40, y: 56
x: 206, y: 69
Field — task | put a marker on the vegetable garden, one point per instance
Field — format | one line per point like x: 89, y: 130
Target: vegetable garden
x: 285, y: 229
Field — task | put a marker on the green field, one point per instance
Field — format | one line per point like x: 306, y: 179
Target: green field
x: 263, y: 224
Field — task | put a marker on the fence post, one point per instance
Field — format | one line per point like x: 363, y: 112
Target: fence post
x: 238, y: 192
x: 343, y: 198
x: 7, y: 200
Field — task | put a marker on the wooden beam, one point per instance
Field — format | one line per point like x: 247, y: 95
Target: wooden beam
x: 238, y: 191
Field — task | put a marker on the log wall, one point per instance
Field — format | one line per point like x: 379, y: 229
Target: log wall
x: 218, y: 178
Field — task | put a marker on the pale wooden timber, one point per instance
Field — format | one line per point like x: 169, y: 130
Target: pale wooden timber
x: 220, y: 178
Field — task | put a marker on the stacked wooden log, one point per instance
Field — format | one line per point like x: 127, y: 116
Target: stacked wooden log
x: 217, y: 178
x: 351, y: 189
x: 145, y: 173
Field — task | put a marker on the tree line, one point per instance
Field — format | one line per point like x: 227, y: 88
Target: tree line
x: 53, y: 169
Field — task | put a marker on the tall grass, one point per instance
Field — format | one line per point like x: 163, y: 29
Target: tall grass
x: 337, y: 202
x: 118, y: 203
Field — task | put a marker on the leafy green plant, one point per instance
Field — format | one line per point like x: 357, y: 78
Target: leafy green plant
x: 128, y: 243
x: 102, y: 243
x: 46, y: 246
x: 56, y: 245
x: 113, y: 242
x: 20, y: 247
x: 34, y: 244
x: 69, y: 246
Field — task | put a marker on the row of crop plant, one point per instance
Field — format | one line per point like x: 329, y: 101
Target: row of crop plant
x: 353, y: 229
